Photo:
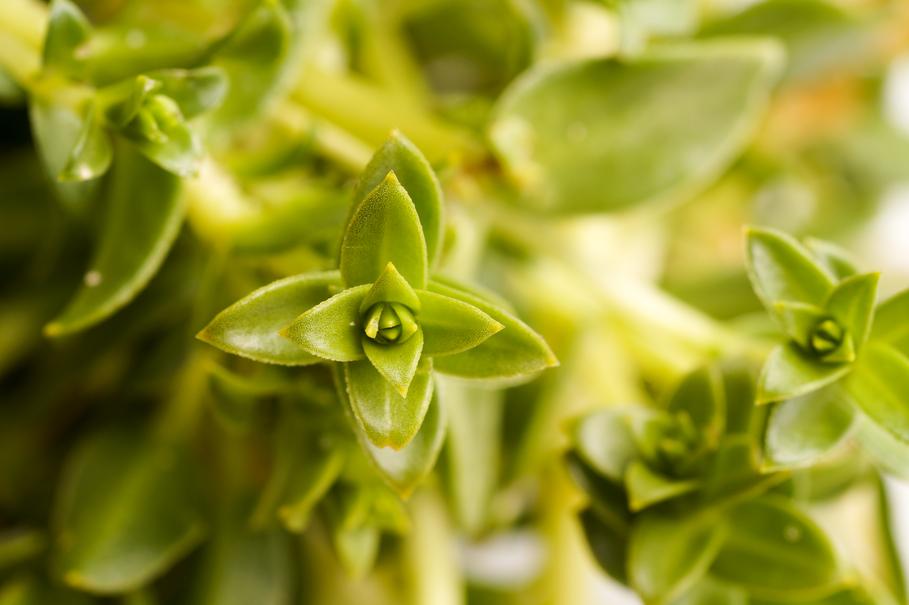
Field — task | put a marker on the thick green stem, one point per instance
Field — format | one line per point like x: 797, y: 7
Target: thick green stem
x: 430, y: 555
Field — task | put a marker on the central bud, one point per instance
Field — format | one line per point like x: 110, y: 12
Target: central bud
x: 826, y: 337
x: 389, y: 323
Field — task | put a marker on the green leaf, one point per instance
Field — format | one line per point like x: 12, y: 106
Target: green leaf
x: 400, y: 156
x: 837, y: 261
x: 710, y: 592
x: 562, y: 131
x: 18, y: 545
x: 163, y: 136
x: 888, y: 452
x: 891, y: 322
x: 608, y: 543
x: 332, y: 329
x: 127, y: 510
x: 384, y: 229
x: 67, y: 31
x: 772, y: 549
x: 852, y: 304
x: 789, y: 372
x: 391, y: 287
x: 646, y: 488
x: 396, y: 362
x: 516, y: 351
x: 700, y: 395
x: 668, y: 555
x: 781, y: 269
x: 603, y: 440
x: 315, y: 473
x: 801, y: 430
x: 140, y: 225
x: 406, y: 468
x: 452, y: 326
x: 356, y: 543
x: 93, y: 153
x: 798, y: 320
x: 879, y: 385
x: 251, y: 326
x: 195, y: 91
x: 32, y: 591
x: 386, y: 418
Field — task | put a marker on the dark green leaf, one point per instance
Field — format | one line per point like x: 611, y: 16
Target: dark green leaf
x: 852, y: 304
x: 879, y: 385
x: 126, y: 512
x: 386, y: 418
x: 170, y: 142
x: 396, y: 362
x: 32, y: 591
x: 139, y: 228
x: 67, y: 32
x: 332, y: 329
x: 251, y: 326
x: 384, y: 229
x: 452, y: 326
x: 700, y: 395
x: 646, y: 487
x: 400, y: 156
x: 801, y: 430
x: 551, y: 127
x: 195, y: 91
x: 19, y: 545
x: 93, y: 153
x: 789, y: 372
x: 608, y: 543
x: 781, y: 269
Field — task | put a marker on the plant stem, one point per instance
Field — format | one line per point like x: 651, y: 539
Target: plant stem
x: 22, y: 25
x: 429, y: 553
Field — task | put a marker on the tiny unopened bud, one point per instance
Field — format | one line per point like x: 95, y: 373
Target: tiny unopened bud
x: 826, y: 337
x: 389, y: 323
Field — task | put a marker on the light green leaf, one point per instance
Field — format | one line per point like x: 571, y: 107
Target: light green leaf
x: 562, y: 131
x: 386, y: 418
x: 700, y: 395
x: 400, y: 156
x: 879, y: 385
x: 837, y: 261
x: 781, y: 269
x: 711, y: 592
x: 126, y: 512
x: 195, y: 91
x: 67, y: 31
x: 405, y: 468
x: 888, y: 452
x: 646, y: 488
x: 514, y: 352
x: 391, y: 287
x: 603, y: 440
x: 852, y: 304
x: 668, y: 555
x: 139, y: 228
x: 332, y: 329
x: 798, y: 320
x: 396, y: 362
x: 452, y: 326
x: 161, y: 133
x: 789, y: 372
x: 93, y: 153
x: 891, y: 322
x: 773, y: 549
x: 384, y: 229
x: 356, y: 542
x: 251, y: 326
x: 801, y: 430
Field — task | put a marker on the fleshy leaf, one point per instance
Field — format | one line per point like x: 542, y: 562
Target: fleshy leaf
x: 405, y: 468
x: 67, y: 31
x: 176, y: 149
x: 711, y: 592
x: 391, y: 287
x: 833, y: 258
x: 801, y: 430
x: 93, y: 153
x: 139, y: 228
x: 251, y: 326
x: 879, y: 385
x: 608, y: 543
x: 798, y: 320
x: 646, y: 488
x: 789, y: 372
x: 451, y: 325
x: 195, y: 91
x: 126, y: 512
x: 331, y: 330
x: 396, y: 362
x: 386, y: 418
x: 668, y: 555
x: 515, y: 352
x: 700, y: 395
x: 852, y: 304
x: 550, y: 126
x: 774, y: 550
x: 781, y: 269
x: 891, y: 322
x: 384, y: 229
x: 402, y: 157
x: 603, y: 440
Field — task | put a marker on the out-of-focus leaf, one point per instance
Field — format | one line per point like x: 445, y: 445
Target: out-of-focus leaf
x: 139, y: 228
x: 712, y: 592
x: 801, y: 430
x: 781, y: 269
x: 891, y: 324
x: 879, y: 385
x: 92, y: 155
x: 126, y: 512
x: 646, y: 488
x: 603, y: 439
x: 608, y: 543
x: 18, y: 545
x: 195, y: 91
x: 32, y: 591
x: 251, y: 326
x: 700, y: 395
x: 563, y: 131
x: 67, y: 30
x: 789, y: 372
x: 852, y: 304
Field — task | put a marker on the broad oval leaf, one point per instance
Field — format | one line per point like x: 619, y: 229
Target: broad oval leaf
x: 774, y: 550
x: 789, y: 372
x: 891, y: 322
x: 659, y: 126
x: 879, y: 385
x: 251, y: 326
x: 514, y: 352
x: 386, y: 418
x: 127, y: 510
x: 801, y: 430
x: 604, y: 441
x: 397, y: 363
x: 384, y: 228
x: 402, y: 157
x: 646, y: 487
x: 139, y: 228
x: 781, y: 269
x: 332, y: 329
x: 668, y: 555
x: 405, y: 468
x: 452, y: 326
